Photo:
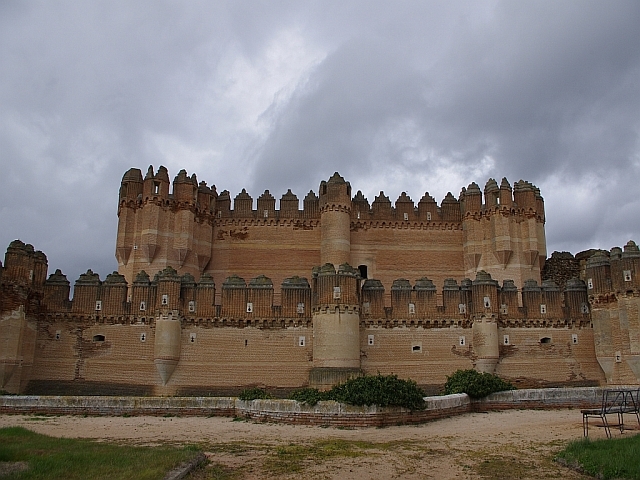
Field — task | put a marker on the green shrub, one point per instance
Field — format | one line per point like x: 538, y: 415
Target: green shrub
x: 381, y: 390
x: 310, y: 396
x: 254, y: 394
x: 475, y: 384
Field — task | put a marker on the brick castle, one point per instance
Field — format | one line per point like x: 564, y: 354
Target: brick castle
x: 210, y: 299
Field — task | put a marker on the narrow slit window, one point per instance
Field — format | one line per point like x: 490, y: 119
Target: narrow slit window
x: 98, y: 305
x: 192, y: 306
x: 462, y: 341
x: 487, y: 302
x: 370, y: 340
x: 590, y: 283
x: 249, y: 307
x: 302, y: 341
x: 543, y: 308
x: 143, y: 306
x: 428, y: 216
x: 505, y: 340
x: 406, y: 216
x: 627, y: 275
x: 165, y: 299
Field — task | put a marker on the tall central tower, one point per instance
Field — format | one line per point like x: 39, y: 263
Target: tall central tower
x: 335, y: 218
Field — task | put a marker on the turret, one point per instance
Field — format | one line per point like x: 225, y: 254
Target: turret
x: 428, y: 208
x: 336, y: 325
x: 485, y: 327
x: 450, y: 209
x: 296, y: 298
x: 575, y: 298
x: 289, y: 205
x: 130, y: 197
x: 266, y: 205
x: 472, y: 199
x: 243, y: 205
x: 598, y: 273
x: 86, y: 294
x: 259, y: 297
x: 185, y: 189
x: 372, y: 299
x: 404, y: 208
x: 401, y: 301
x: 506, y: 193
x: 234, y: 297
x: 335, y: 211
x: 425, y: 298
x: 156, y: 186
x: 114, y: 294
x: 491, y: 194
x: 205, y: 297
x: 509, y: 300
x: 25, y: 266
x: 56, y: 292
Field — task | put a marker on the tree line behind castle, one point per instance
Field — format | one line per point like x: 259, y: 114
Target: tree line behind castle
x: 252, y: 301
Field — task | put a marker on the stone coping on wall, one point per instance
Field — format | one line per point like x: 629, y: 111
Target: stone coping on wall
x: 292, y: 412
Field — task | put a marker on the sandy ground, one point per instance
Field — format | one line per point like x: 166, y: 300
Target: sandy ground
x: 509, y: 444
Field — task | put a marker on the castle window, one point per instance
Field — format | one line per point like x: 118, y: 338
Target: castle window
x: 336, y: 293
x: 156, y: 188
x: 487, y: 302
x: 358, y: 215
x: 165, y: 299
x: 363, y: 271
x: 370, y: 340
x: 143, y: 306
x: 246, y: 342
x: 412, y: 308
x: 301, y: 341
x: 590, y: 283
x: 366, y: 308
x: 416, y: 348
x: 574, y: 338
x: 504, y: 309
x: 618, y: 357
x: 462, y: 308
x: 30, y: 274
x: 545, y: 340
x: 505, y: 340
x: 406, y: 216
x: 584, y: 308
x: 266, y: 214
x: 143, y: 337
x: 98, y: 338
x: 428, y: 216
x: 192, y: 337
x: 627, y: 275
x: 98, y: 305
x: 249, y: 307
x: 300, y: 308
x: 462, y: 341
x: 58, y: 335
x: 135, y: 247
x: 192, y: 306
x: 543, y: 308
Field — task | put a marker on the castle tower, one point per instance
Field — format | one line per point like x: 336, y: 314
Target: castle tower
x: 168, y: 327
x: 336, y: 326
x: 504, y: 236
x: 485, y: 326
x: 335, y: 218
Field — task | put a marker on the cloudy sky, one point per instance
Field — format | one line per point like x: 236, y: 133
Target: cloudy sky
x: 395, y: 95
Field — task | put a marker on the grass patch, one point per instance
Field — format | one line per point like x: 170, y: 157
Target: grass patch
x: 293, y: 458
x: 64, y: 458
x: 605, y: 459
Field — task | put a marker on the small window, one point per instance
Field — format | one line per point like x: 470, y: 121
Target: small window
x: 266, y: 213
x: 590, y: 283
x: 192, y: 306
x: 370, y: 340
x: 300, y: 308
x: 618, y: 357
x: 358, y: 215
x: 98, y: 338
x: 406, y: 216
x: 584, y: 308
x: 545, y: 340
x: 192, y: 337
x: 143, y: 337
x: 135, y: 247
x: 487, y: 302
x: 156, y: 188
x: 301, y: 341
x: 219, y: 213
x: 249, y: 307
x: 504, y: 309
x: 366, y: 308
x: 462, y: 308
x: 363, y: 270
x: 246, y: 342
x: 165, y: 299
x: 627, y: 275
x: 336, y: 293
x: 57, y: 334
x: 574, y: 338
x: 462, y: 341
x: 143, y: 306
x: 98, y: 305
x: 428, y: 216
x: 505, y: 340
x: 416, y: 348
x: 30, y: 274
x: 412, y: 308
x: 543, y: 308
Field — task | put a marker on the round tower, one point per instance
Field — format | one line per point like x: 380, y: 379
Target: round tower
x: 336, y: 325
x: 485, y: 326
x: 335, y: 219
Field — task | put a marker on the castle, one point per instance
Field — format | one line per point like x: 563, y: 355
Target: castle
x: 210, y: 299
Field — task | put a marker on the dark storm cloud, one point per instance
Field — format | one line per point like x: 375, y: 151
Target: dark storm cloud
x: 397, y: 96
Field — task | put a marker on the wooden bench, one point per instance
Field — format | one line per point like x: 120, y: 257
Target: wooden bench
x: 614, y: 402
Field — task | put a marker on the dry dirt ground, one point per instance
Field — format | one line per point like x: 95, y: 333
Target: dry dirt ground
x: 510, y: 444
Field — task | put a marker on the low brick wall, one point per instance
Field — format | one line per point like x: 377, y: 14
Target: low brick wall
x: 292, y: 412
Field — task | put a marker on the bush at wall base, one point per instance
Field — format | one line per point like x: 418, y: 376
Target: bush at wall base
x: 475, y: 384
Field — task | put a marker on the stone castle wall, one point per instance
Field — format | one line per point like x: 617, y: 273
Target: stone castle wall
x: 239, y: 298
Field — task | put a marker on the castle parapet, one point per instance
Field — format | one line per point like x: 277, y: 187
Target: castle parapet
x: 295, y: 297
